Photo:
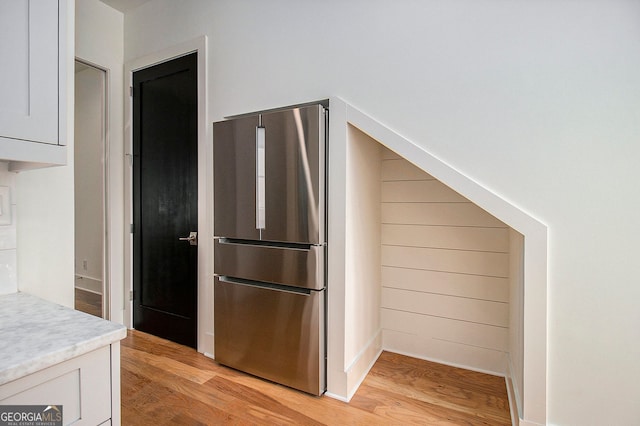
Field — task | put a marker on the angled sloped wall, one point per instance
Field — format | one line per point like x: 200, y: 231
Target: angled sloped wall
x: 348, y: 361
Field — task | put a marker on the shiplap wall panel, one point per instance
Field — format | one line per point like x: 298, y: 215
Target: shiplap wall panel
x: 400, y: 169
x: 426, y: 326
x: 446, y: 352
x: 449, y: 283
x: 451, y: 237
x: 451, y: 214
x: 445, y: 268
x: 419, y: 191
x: 387, y: 154
x: 434, y: 259
x: 454, y: 307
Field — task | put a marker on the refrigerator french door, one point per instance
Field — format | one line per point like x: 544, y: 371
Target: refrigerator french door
x: 270, y: 248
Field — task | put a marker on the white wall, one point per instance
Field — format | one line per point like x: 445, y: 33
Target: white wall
x: 363, y: 339
x: 8, y: 242
x: 44, y: 200
x: 537, y: 101
x: 88, y: 179
x: 445, y: 267
x: 100, y: 41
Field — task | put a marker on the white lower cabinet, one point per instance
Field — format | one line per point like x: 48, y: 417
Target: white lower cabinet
x: 82, y: 385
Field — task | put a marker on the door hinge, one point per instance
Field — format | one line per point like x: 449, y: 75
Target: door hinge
x: 131, y: 229
x: 131, y: 91
x: 130, y: 295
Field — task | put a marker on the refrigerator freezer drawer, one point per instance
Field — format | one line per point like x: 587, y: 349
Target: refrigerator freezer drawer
x: 278, y: 265
x: 276, y: 335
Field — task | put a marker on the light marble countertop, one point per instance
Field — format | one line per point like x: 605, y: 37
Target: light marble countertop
x: 36, y: 334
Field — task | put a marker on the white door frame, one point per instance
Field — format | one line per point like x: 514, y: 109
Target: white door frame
x: 107, y: 289
x: 205, y: 187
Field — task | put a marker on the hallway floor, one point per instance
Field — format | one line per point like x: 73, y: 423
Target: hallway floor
x: 164, y: 383
x: 88, y: 302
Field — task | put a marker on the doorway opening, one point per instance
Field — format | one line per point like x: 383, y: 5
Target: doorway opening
x: 205, y: 187
x: 90, y: 188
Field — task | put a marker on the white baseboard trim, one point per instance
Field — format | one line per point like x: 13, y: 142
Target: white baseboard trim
x: 513, y: 410
x: 512, y: 388
x: 528, y: 423
x: 366, y: 348
x: 88, y: 284
x: 363, y: 375
x: 362, y: 363
x: 443, y: 362
x: 338, y: 397
x: 88, y: 290
x: 375, y: 345
x: 352, y: 391
x: 87, y: 277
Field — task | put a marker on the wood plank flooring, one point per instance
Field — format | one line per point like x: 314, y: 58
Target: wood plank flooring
x: 164, y: 383
x: 88, y: 302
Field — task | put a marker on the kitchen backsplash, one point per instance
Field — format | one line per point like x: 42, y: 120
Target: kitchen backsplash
x: 8, y: 263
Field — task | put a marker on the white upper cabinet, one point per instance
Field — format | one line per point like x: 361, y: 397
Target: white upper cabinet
x: 33, y: 81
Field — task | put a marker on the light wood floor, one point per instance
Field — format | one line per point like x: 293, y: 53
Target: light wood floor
x: 164, y: 383
x: 88, y: 302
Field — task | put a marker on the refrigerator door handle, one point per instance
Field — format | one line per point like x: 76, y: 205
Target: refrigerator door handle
x: 260, y: 177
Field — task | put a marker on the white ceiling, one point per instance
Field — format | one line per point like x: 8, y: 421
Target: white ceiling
x: 124, y: 5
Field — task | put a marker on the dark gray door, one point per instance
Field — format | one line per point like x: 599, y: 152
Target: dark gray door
x: 165, y: 199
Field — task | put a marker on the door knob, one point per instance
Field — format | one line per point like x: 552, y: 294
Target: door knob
x: 192, y: 238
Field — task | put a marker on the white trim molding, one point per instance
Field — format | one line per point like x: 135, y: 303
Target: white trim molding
x: 205, y: 185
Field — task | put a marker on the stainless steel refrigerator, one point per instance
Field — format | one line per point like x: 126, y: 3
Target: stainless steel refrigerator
x: 270, y: 247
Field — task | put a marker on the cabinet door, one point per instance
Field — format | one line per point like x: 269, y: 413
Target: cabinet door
x: 234, y: 180
x: 82, y: 385
x: 29, y: 103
